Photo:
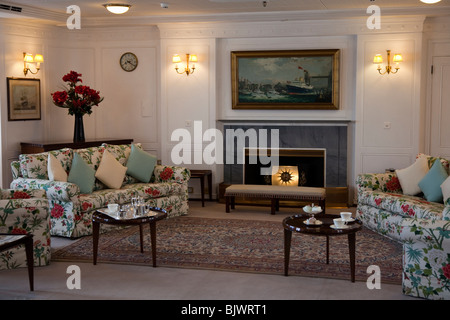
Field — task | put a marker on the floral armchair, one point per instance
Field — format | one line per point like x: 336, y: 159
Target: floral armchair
x: 25, y: 211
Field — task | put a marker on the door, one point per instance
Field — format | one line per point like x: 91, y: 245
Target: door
x: 440, y: 108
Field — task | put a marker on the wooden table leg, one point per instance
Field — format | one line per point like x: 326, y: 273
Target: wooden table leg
x: 95, y: 234
x: 30, y: 261
x: 273, y: 204
x: 202, y: 188
x: 287, y: 249
x: 352, y: 249
x: 141, y: 236
x: 153, y: 240
x: 210, y: 186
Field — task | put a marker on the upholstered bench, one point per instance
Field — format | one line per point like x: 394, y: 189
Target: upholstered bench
x: 274, y: 193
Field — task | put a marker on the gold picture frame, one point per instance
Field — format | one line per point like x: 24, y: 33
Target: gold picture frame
x: 286, y: 79
x: 24, y: 99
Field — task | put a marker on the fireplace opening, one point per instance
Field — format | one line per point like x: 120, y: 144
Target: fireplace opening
x: 296, y: 167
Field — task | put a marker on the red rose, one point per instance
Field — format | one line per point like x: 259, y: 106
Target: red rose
x: 393, y: 184
x: 73, y: 77
x: 59, y: 97
x: 20, y: 195
x: 166, y: 174
x: 86, y: 206
x: 446, y: 271
x: 378, y: 201
x: 57, y: 211
x: 18, y: 230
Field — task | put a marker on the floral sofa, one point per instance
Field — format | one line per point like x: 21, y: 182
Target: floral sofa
x: 71, y: 210
x: 422, y: 226
x: 21, y: 212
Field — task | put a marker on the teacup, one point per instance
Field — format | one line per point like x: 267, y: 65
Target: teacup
x: 113, y: 207
x: 346, y: 216
x: 339, y: 223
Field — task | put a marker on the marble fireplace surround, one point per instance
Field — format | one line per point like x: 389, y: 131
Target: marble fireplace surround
x: 331, y: 136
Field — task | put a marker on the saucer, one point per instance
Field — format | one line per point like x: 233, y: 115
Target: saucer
x: 349, y: 220
x: 317, y: 223
x: 336, y: 228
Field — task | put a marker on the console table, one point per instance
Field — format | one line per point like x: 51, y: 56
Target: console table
x: 41, y: 146
x: 202, y: 174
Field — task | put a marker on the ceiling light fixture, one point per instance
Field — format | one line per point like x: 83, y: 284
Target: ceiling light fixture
x: 117, y: 8
x: 430, y: 1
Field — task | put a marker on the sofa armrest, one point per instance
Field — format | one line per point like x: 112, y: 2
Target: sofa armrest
x: 171, y: 174
x: 34, y: 211
x: 385, y: 182
x: 22, y: 193
x: 55, y: 190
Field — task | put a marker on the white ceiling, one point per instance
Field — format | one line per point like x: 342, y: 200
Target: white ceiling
x: 203, y: 10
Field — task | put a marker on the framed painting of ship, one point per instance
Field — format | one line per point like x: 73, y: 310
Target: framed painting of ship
x: 288, y: 79
x: 24, y: 99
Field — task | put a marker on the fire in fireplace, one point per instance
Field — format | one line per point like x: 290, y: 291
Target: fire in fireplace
x: 297, y: 167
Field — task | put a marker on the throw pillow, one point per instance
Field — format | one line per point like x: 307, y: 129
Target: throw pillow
x: 445, y: 187
x: 110, y: 171
x: 81, y: 174
x: 140, y: 164
x: 431, y: 183
x: 55, y: 169
x: 410, y: 177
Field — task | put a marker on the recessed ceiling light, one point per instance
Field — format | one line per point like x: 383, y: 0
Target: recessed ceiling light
x: 430, y: 1
x: 117, y: 8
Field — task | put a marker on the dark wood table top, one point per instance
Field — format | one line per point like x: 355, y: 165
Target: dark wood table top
x: 297, y: 223
x: 100, y: 217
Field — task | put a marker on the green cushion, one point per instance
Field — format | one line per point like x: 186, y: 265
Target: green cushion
x: 140, y: 164
x: 431, y: 183
x: 81, y: 174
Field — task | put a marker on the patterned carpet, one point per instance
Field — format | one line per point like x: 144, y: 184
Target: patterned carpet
x: 241, y: 245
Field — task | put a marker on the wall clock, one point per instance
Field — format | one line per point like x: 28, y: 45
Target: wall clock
x: 128, y: 61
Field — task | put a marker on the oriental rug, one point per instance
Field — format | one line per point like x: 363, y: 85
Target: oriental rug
x: 241, y: 246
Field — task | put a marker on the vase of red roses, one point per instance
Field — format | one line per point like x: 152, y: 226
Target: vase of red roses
x: 78, y: 100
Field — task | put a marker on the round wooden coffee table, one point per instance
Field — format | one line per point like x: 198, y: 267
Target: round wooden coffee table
x: 296, y: 224
x: 156, y: 214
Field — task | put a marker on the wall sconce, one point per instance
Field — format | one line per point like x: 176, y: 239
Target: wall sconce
x: 117, y: 8
x: 189, y: 58
x: 378, y: 59
x: 28, y: 59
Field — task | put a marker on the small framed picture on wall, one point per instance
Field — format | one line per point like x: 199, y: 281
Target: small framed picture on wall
x: 24, y: 99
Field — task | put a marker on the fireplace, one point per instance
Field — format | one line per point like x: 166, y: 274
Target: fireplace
x: 296, y: 166
x: 327, y: 141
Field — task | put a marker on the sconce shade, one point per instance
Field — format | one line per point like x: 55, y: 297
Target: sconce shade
x: 28, y: 57
x: 398, y: 58
x: 176, y: 58
x: 38, y: 58
x: 117, y: 8
x: 378, y: 59
x: 193, y: 58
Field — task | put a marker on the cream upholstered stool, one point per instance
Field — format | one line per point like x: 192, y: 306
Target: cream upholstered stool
x: 274, y: 193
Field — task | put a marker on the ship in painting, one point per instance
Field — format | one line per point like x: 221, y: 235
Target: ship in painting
x: 300, y: 85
